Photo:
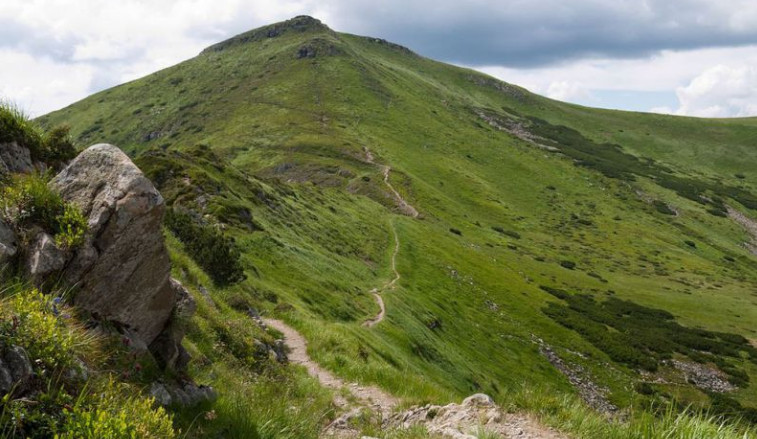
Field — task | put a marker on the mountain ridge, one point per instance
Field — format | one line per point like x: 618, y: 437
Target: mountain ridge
x: 264, y: 137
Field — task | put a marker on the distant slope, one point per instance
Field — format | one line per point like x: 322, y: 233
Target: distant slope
x: 265, y: 134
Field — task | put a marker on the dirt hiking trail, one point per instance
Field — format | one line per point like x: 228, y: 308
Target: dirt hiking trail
x: 456, y: 419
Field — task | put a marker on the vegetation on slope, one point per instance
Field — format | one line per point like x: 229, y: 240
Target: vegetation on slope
x: 266, y: 138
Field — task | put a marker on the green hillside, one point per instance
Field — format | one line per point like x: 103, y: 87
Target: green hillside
x: 601, y: 236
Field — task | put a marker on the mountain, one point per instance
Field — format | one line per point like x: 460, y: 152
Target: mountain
x: 533, y: 250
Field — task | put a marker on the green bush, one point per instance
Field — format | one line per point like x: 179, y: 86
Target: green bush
x: 27, y: 201
x: 54, y: 147
x: 110, y: 415
x: 215, y: 252
x: 72, y: 226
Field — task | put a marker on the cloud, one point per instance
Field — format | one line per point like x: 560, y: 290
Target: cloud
x: 567, y: 50
x: 566, y: 91
x: 528, y: 33
x: 720, y: 91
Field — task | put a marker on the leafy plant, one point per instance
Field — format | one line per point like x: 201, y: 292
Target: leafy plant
x: 72, y: 226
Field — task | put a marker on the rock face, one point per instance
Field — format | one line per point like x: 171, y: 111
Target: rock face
x: 15, y: 158
x: 15, y: 369
x: 8, y: 243
x: 44, y: 257
x: 122, y: 270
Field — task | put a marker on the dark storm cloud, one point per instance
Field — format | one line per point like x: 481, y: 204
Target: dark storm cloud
x: 541, y: 32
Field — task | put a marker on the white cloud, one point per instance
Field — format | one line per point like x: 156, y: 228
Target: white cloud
x: 566, y: 91
x: 53, y: 52
x: 720, y: 91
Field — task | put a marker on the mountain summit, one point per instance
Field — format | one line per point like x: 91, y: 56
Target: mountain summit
x: 429, y: 232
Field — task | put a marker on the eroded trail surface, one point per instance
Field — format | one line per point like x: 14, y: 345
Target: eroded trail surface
x: 407, y: 209
x: 457, y: 421
x: 389, y: 285
x: 367, y: 396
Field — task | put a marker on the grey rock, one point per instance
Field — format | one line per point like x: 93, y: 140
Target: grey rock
x: 78, y: 372
x: 165, y: 347
x: 122, y: 271
x: 179, y: 397
x: 160, y: 394
x: 185, y: 306
x: 18, y: 364
x: 198, y: 394
x: 279, y: 350
x: 44, y: 257
x: 478, y: 400
x: 15, y: 158
x: 6, y: 379
x: 8, y: 243
x: 206, y: 295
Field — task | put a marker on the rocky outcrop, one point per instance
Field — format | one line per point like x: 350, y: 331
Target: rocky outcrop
x: 477, y: 416
x: 15, y: 369
x: 8, y: 243
x: 15, y: 158
x: 44, y: 257
x: 122, y: 270
x: 186, y: 394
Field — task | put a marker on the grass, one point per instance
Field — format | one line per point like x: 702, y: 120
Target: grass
x: 270, y: 147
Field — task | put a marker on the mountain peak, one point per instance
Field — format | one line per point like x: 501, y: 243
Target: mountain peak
x: 298, y: 24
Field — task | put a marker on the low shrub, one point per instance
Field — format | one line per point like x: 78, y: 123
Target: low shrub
x: 215, y: 252
x: 640, y: 337
x: 27, y: 201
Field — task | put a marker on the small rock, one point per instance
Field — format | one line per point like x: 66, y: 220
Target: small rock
x: 44, y: 257
x: 78, y: 372
x: 160, y: 394
x: 8, y: 243
x: 6, y: 379
x: 478, y: 400
x: 185, y: 306
x: 18, y: 364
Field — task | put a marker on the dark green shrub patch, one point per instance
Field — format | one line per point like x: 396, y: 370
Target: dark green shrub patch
x: 215, y: 252
x: 663, y: 208
x: 503, y: 231
x: 610, y: 160
x: 641, y: 337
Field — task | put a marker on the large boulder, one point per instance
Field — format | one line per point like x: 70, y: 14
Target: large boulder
x: 122, y: 270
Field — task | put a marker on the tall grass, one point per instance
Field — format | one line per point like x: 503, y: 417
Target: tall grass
x: 569, y: 414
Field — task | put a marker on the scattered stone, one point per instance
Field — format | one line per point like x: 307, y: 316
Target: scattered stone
x: 476, y: 415
x: 704, y: 377
x: 186, y: 394
x: 591, y: 392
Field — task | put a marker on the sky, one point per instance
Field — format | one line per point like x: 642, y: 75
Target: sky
x: 686, y: 57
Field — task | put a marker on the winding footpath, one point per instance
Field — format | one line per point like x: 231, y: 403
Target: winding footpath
x: 367, y: 396
x: 507, y: 425
x: 407, y: 209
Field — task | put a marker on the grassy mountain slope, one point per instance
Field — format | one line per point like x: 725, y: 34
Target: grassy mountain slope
x: 265, y: 135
